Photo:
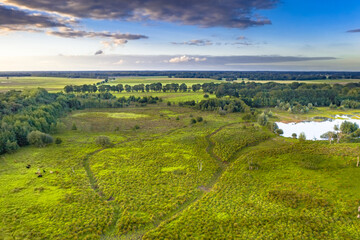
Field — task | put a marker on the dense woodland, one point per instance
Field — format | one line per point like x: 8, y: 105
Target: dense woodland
x: 228, y: 75
x: 37, y: 110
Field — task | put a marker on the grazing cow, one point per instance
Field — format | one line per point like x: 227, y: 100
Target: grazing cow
x: 40, y: 175
x: 51, y: 172
x: 44, y: 171
x: 28, y: 166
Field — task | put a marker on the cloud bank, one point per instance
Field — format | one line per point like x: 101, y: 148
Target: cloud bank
x: 204, y: 13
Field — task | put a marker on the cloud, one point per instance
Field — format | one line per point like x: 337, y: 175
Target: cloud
x: 241, y: 38
x: 211, y: 13
x: 121, y: 61
x: 115, y: 39
x: 15, y: 19
x: 99, y: 52
x: 185, y: 59
x: 161, y: 62
x: 195, y: 43
x: 12, y: 19
x: 354, y: 31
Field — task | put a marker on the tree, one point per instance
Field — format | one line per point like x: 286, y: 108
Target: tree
x: 262, y: 119
x: 103, y: 141
x: 348, y: 127
x: 73, y: 127
x: 294, y: 135
x: 39, y: 139
x: 199, y: 119
x: 302, y: 137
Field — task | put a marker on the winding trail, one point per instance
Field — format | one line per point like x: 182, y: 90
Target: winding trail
x: 222, y: 166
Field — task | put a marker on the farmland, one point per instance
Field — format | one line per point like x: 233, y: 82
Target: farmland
x: 49, y: 83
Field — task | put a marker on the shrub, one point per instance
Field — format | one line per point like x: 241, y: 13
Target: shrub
x: 103, y: 141
x: 262, y: 119
x: 206, y: 96
x: 177, y: 118
x: 136, y: 127
x: 193, y: 121
x: 294, y: 135
x: 199, y: 119
x: 73, y: 127
x: 58, y: 140
x: 39, y: 139
x: 169, y: 103
x: 302, y: 137
x: 279, y: 131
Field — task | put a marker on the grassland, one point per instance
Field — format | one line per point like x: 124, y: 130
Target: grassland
x: 164, y: 80
x: 163, y: 177
x: 326, y: 81
x: 49, y: 83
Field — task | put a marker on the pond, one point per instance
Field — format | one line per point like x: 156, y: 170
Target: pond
x: 314, y: 129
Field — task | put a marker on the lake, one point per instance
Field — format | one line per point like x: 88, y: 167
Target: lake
x: 314, y: 129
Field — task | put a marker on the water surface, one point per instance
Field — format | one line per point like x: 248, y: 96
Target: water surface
x: 314, y: 129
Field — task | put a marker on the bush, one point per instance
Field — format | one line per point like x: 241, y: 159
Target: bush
x: 103, y: 141
x: 262, y: 119
x: 73, y: 127
x: 193, y: 121
x: 206, y: 96
x: 58, y: 140
x: 294, y: 135
x: 136, y: 127
x: 169, y: 103
x: 39, y: 139
x: 199, y: 119
x: 279, y: 131
x: 302, y: 137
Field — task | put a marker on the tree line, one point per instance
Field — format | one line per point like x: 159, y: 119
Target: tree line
x: 153, y: 87
x: 22, y: 113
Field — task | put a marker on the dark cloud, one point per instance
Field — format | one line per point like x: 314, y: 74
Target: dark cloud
x: 204, y: 13
x: 99, y: 52
x: 12, y: 19
x: 115, y: 39
x: 195, y: 43
x: 354, y: 31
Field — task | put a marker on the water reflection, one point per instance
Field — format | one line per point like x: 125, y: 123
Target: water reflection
x: 314, y: 129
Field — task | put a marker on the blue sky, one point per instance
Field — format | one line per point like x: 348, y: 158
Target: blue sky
x: 173, y: 35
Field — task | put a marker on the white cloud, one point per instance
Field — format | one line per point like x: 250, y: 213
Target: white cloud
x: 186, y: 59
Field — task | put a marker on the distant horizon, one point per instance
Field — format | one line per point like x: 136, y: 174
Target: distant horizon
x: 236, y: 35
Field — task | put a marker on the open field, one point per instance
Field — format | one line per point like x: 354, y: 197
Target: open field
x: 220, y: 178
x: 49, y: 83
x: 327, y: 81
x: 164, y: 80
x: 55, y: 84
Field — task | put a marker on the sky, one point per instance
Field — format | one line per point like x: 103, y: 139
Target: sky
x: 240, y: 35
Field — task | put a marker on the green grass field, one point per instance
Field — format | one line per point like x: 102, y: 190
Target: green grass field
x: 164, y: 80
x: 56, y: 84
x: 221, y: 178
x: 49, y: 83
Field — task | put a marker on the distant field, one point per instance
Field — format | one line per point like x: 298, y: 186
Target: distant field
x: 164, y: 80
x: 328, y: 81
x: 168, y: 96
x: 49, y: 83
x: 57, y: 84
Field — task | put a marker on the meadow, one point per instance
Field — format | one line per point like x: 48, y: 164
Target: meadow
x: 49, y: 83
x: 172, y: 172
